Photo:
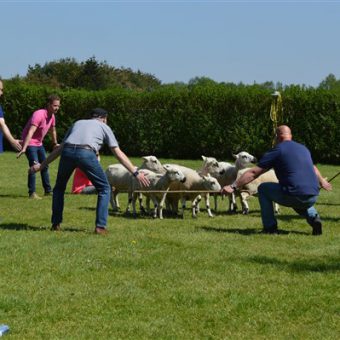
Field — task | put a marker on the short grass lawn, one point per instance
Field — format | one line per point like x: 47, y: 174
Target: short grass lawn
x: 204, y: 278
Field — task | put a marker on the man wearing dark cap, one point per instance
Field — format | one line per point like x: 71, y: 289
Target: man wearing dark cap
x: 78, y: 150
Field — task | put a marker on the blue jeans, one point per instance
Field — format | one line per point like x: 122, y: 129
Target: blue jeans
x: 86, y: 160
x: 37, y: 154
x: 272, y: 192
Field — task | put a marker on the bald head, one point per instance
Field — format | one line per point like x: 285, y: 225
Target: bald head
x: 283, y: 133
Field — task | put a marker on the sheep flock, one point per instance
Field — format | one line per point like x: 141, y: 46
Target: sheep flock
x: 171, y: 184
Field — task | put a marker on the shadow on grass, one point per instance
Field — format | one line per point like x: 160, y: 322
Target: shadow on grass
x: 22, y: 226
x: 325, y: 264
x: 13, y: 196
x: 286, y: 217
x: 248, y: 231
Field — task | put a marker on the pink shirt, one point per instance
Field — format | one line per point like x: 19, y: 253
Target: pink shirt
x: 43, y: 123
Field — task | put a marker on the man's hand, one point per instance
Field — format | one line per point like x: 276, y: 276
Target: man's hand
x: 17, y: 144
x: 34, y: 168
x: 21, y: 153
x: 142, y: 179
x: 227, y: 190
x: 325, y: 184
x: 55, y: 146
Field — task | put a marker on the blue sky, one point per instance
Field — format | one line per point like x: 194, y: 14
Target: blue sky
x: 293, y: 42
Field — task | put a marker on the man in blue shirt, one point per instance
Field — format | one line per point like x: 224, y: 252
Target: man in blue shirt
x: 298, y: 186
x: 4, y: 130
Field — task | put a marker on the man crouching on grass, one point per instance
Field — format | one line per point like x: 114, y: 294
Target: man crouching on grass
x: 298, y: 186
x: 78, y: 150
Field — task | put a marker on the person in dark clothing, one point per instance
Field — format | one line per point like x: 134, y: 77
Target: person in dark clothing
x: 299, y: 181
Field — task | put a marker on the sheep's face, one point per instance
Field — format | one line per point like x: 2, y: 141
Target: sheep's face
x: 244, y: 158
x: 211, y: 183
x: 175, y: 175
x: 153, y: 164
x: 212, y: 166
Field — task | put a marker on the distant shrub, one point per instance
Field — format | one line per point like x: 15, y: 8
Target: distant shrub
x: 190, y: 121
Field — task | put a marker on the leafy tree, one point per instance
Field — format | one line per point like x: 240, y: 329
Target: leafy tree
x: 90, y: 74
x: 330, y: 83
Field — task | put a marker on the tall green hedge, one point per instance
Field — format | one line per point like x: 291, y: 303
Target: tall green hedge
x: 190, y: 121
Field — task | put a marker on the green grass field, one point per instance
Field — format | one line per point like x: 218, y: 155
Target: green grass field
x: 171, y: 279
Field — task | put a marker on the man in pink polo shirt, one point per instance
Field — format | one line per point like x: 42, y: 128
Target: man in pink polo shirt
x: 41, y: 122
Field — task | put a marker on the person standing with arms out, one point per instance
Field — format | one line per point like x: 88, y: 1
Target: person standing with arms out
x: 4, y: 130
x: 298, y: 186
x: 79, y: 148
x: 41, y: 122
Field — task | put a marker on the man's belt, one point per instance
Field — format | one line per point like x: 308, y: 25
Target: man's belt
x: 78, y: 146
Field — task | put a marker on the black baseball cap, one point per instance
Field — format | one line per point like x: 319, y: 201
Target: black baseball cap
x: 98, y: 113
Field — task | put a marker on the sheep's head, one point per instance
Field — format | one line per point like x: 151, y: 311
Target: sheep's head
x: 174, y: 174
x: 211, y: 183
x: 244, y: 158
x: 153, y: 164
x: 212, y: 166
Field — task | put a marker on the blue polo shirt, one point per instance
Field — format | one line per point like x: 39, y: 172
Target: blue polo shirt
x: 1, y: 135
x: 294, y: 168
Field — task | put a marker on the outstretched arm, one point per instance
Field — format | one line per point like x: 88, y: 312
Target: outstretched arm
x: 5, y: 130
x: 246, y: 178
x: 124, y: 160
x: 30, y: 133
x: 50, y: 158
x: 322, y: 181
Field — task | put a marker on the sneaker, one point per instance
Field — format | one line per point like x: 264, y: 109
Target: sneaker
x: 100, y: 231
x: 316, y: 225
x: 55, y: 227
x: 34, y: 196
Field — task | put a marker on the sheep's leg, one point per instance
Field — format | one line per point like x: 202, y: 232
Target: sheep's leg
x: 199, y: 198
x: 276, y: 208
x: 232, y: 203
x: 134, y: 199
x: 207, y: 205
x: 129, y: 202
x: 155, y: 206
x: 113, y: 200
x: 116, y: 200
x: 215, y: 202
x: 183, y: 201
x: 161, y: 205
x: 194, y: 207
x: 198, y: 201
x: 140, y: 200
x: 245, y: 206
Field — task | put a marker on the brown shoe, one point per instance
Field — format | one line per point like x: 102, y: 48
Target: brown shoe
x: 55, y: 227
x: 100, y: 231
x: 34, y: 196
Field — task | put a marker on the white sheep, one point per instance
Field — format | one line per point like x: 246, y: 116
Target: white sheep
x: 251, y: 188
x: 119, y: 178
x: 226, y: 173
x: 158, y: 182
x: 196, y: 183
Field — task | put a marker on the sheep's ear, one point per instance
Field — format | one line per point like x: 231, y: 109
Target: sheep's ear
x: 207, y: 177
x: 204, y: 158
x: 145, y: 158
x: 166, y: 166
x: 235, y: 156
